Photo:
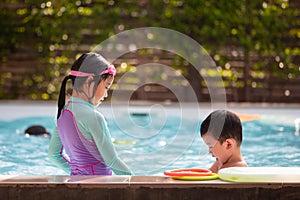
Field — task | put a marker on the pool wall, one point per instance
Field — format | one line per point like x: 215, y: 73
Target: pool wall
x: 138, y: 187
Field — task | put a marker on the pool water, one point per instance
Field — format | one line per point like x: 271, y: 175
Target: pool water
x: 271, y: 144
x: 24, y: 155
x: 175, y: 145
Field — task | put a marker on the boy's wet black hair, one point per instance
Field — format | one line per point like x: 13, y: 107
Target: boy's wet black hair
x: 222, y: 125
x: 36, y: 130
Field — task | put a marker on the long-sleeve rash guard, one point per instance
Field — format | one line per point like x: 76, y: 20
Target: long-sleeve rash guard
x: 88, y: 146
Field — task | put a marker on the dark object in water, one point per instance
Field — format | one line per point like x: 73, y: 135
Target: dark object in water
x: 139, y: 114
x: 37, y: 130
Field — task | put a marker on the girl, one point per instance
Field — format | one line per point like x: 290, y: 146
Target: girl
x: 81, y: 131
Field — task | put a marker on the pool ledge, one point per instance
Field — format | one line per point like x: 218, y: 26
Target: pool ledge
x: 138, y: 187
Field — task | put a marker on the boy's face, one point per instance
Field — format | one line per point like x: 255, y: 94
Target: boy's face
x: 216, y: 149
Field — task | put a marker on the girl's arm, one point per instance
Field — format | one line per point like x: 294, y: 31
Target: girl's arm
x: 55, y: 152
x: 108, y: 152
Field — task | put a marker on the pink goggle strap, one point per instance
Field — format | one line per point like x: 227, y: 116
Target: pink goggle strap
x: 81, y: 74
x: 110, y: 70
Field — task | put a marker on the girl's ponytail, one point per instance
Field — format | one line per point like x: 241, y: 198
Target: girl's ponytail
x: 62, y: 95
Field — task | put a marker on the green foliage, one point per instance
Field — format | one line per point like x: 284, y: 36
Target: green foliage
x: 57, y: 30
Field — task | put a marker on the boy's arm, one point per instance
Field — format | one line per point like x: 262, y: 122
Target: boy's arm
x: 215, y: 167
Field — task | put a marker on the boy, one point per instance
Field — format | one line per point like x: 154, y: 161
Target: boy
x: 222, y: 132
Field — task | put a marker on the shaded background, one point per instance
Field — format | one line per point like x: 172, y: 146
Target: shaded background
x: 254, y: 43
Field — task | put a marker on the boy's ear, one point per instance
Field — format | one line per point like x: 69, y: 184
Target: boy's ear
x: 229, y: 143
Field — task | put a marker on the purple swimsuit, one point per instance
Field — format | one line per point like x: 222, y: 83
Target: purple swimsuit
x: 85, y: 159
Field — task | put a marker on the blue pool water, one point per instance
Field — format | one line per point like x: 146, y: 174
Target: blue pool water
x: 176, y: 144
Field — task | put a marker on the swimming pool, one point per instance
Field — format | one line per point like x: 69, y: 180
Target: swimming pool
x: 151, y: 141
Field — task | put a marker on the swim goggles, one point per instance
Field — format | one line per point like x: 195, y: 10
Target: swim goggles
x: 110, y: 70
